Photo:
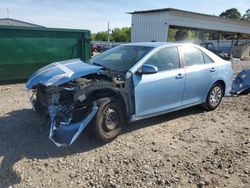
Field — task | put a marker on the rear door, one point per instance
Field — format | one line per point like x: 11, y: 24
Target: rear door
x: 199, y: 72
x: 162, y: 91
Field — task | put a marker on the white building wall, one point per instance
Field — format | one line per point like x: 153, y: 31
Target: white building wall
x: 149, y: 27
x: 153, y: 26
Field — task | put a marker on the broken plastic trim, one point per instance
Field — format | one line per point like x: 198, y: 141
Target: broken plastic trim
x: 65, y: 134
x: 31, y: 95
x: 241, y: 83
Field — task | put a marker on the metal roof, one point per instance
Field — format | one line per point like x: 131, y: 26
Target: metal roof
x: 188, y: 12
x: 42, y: 29
x: 19, y: 21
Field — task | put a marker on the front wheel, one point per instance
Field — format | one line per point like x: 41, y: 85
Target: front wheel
x: 214, y: 97
x: 109, y: 119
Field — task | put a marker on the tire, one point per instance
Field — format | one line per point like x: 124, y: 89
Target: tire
x: 109, y: 120
x: 214, y: 97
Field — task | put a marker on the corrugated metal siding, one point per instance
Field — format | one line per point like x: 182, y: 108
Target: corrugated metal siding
x: 149, y: 27
x: 153, y: 26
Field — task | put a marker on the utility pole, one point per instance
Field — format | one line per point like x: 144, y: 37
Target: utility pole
x: 8, y: 16
x: 108, y: 33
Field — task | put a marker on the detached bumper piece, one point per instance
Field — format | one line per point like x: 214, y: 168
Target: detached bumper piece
x: 241, y: 83
x: 64, y: 132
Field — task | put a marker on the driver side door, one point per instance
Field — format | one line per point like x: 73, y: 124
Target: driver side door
x: 162, y: 91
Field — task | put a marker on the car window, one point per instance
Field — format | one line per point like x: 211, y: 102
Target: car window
x: 121, y: 58
x: 192, y: 56
x: 114, y: 56
x: 165, y: 59
x: 207, y: 59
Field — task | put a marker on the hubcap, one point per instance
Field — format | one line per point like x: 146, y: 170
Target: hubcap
x: 111, y: 119
x: 215, y: 96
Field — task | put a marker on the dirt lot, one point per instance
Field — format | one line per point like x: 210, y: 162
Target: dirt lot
x: 189, y: 148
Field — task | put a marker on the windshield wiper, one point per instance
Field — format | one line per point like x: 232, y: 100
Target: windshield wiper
x: 98, y: 64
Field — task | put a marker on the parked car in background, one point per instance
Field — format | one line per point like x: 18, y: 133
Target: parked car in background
x: 127, y: 83
x: 109, y: 46
x: 97, y: 46
x: 210, y: 47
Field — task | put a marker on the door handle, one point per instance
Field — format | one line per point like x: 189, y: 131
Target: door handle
x: 212, y: 69
x: 179, y: 76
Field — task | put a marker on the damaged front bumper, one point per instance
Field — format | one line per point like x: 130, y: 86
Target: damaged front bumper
x: 64, y: 129
x: 66, y: 92
x: 68, y: 119
x: 64, y: 133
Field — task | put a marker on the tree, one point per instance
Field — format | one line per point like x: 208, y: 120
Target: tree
x: 93, y: 36
x: 121, y: 34
x: 246, y: 16
x: 101, y: 36
x: 171, y: 34
x: 117, y: 35
x: 232, y: 13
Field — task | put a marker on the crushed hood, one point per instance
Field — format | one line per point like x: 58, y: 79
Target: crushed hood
x: 61, y: 72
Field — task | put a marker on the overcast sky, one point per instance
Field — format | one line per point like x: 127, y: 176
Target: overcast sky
x: 94, y: 14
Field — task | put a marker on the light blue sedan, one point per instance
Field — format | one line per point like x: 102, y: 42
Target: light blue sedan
x: 125, y: 84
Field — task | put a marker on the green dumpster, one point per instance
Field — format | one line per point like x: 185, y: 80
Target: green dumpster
x: 23, y: 50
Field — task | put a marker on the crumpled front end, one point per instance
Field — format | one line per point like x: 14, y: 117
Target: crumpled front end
x: 65, y: 132
x: 67, y: 92
x: 69, y: 111
x: 241, y: 83
x: 54, y: 92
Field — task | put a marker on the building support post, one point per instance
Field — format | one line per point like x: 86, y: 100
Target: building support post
x: 237, y: 40
x: 167, y: 31
x: 108, y: 30
x: 218, y: 41
x: 231, y: 50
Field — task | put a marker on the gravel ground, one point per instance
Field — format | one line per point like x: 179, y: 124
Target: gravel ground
x: 188, y: 148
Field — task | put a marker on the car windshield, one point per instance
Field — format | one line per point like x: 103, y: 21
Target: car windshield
x: 120, y: 58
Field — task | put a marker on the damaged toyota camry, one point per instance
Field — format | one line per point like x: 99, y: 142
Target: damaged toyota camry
x: 127, y: 83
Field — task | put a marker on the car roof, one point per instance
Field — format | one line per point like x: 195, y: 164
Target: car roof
x: 157, y: 44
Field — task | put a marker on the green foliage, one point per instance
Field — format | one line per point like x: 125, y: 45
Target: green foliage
x: 246, y: 16
x: 117, y: 35
x: 93, y: 36
x: 232, y: 13
x: 101, y: 36
x: 121, y: 34
x: 171, y: 34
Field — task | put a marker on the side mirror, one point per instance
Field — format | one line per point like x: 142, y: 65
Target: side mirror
x: 148, y: 69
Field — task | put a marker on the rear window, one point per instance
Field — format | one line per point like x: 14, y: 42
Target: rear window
x: 192, y: 56
x: 165, y: 59
x: 207, y: 59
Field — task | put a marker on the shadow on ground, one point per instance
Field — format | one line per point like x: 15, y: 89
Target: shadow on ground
x: 24, y: 134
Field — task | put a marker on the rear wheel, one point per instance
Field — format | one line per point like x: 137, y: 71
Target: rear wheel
x: 214, y: 97
x: 109, y: 119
